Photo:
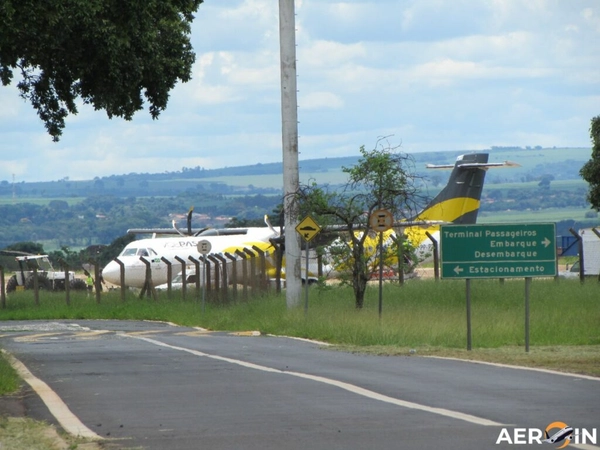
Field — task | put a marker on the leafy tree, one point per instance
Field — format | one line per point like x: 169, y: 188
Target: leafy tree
x: 545, y: 181
x: 590, y: 172
x: 106, y: 52
x: 379, y: 180
x: 29, y: 247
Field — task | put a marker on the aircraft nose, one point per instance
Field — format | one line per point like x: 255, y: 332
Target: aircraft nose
x: 112, y: 273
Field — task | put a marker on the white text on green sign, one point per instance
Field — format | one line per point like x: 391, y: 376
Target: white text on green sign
x: 498, y: 251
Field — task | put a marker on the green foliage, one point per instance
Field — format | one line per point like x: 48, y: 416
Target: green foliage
x: 106, y: 53
x: 591, y: 170
x: 379, y: 180
x: 421, y: 313
x: 32, y: 248
x: 9, y: 380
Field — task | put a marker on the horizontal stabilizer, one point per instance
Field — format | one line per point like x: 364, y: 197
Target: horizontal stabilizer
x: 468, y: 165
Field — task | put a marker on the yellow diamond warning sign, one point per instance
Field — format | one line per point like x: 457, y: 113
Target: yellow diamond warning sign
x: 308, y: 228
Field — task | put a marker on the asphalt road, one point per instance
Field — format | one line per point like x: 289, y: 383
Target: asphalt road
x: 158, y: 386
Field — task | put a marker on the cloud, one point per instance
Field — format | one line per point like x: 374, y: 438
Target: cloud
x: 434, y: 74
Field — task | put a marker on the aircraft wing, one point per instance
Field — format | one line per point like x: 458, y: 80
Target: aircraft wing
x: 397, y: 224
x: 161, y: 231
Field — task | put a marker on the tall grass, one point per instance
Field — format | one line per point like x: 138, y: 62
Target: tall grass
x: 420, y: 313
x: 9, y: 379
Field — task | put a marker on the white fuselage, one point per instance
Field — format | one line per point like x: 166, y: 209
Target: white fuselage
x: 169, y: 248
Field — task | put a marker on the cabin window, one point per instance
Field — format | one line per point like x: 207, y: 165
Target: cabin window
x: 142, y: 252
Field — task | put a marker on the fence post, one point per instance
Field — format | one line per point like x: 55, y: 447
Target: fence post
x: 244, y: 257
x: 597, y: 233
x: 252, y: 259
x: 234, y: 280
x: 216, y: 265
x: 148, y: 287
x: 436, y: 257
x: 197, y: 265
x: 97, y: 281
x: 277, y: 243
x: 183, y: 277
x: 122, y: 277
x: 2, y: 288
x: 581, y: 256
x: 65, y: 267
x: 169, y: 275
x: 224, y: 278
x: 263, y: 280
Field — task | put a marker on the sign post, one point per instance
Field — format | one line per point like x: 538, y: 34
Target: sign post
x: 308, y: 229
x: 204, y: 248
x: 381, y: 220
x: 498, y: 251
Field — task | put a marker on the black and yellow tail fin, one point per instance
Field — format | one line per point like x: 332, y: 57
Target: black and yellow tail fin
x: 459, y: 201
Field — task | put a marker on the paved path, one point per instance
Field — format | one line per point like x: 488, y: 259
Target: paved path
x: 158, y: 386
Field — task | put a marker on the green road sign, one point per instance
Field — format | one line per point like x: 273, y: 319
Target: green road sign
x: 498, y: 251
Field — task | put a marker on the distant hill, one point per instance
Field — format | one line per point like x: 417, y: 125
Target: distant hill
x: 266, y: 179
x: 75, y: 214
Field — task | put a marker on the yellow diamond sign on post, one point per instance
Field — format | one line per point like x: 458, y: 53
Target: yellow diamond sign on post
x: 308, y: 228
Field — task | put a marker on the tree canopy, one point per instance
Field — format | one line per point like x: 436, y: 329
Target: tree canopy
x: 109, y: 53
x: 591, y: 170
x: 382, y: 179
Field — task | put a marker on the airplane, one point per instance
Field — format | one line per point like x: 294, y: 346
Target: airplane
x: 458, y: 203
x: 559, y: 436
x: 182, y: 246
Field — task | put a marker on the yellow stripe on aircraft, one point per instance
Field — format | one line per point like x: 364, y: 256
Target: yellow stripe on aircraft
x: 450, y: 210
x: 447, y: 211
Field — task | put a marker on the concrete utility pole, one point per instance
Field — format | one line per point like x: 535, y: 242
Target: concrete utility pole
x: 289, y: 121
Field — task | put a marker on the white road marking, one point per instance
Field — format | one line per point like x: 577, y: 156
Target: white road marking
x: 69, y: 421
x: 509, y: 366
x: 340, y: 384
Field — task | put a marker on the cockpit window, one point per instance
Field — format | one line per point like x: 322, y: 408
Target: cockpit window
x: 138, y: 252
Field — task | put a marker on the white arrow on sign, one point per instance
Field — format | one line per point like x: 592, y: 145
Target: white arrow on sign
x: 458, y: 270
x: 546, y: 242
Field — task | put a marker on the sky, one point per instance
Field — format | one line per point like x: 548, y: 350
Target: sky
x: 430, y: 75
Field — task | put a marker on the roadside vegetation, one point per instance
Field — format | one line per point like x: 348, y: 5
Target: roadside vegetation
x: 9, y: 380
x: 423, y: 317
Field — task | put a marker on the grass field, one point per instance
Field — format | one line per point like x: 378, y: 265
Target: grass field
x: 425, y: 315
x: 40, y: 200
x: 544, y: 215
